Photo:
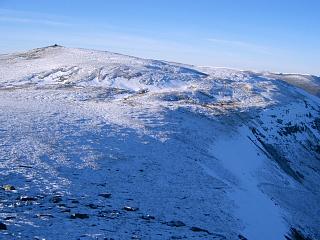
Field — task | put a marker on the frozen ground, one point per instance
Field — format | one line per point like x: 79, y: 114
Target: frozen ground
x: 103, y: 146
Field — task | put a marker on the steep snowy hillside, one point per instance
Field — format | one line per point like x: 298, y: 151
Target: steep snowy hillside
x: 98, y: 145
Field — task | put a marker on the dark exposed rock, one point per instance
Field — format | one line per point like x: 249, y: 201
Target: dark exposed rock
x: 316, y: 124
x: 280, y: 121
x: 299, y: 174
x: 197, y: 229
x: 79, y: 215
x: 176, y: 224
x: 148, y: 217
x: 296, y: 235
x: 281, y: 160
x: 273, y: 153
x: 290, y: 130
x: 242, y: 237
x: 56, y: 199
x: 27, y: 199
x: 130, y: 209
x: 3, y: 226
x: 317, y: 148
x: 93, y: 206
x: 25, y: 166
x: 105, y: 195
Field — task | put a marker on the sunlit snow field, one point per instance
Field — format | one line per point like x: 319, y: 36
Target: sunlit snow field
x: 100, y: 145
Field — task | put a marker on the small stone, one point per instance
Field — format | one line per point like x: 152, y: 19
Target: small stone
x: 79, y: 215
x: 56, y: 199
x: 44, y: 216
x: 108, y: 214
x: 148, y: 217
x: 242, y: 237
x: 197, y: 229
x: 8, y: 187
x: 105, y: 195
x: 130, y: 209
x: 25, y: 166
x: 27, y: 199
x: 3, y: 226
x: 93, y: 206
x: 176, y: 224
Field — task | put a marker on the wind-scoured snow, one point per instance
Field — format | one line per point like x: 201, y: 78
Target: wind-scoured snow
x: 98, y: 145
x: 80, y: 67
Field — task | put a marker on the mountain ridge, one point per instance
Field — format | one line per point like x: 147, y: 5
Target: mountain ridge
x: 309, y: 83
x: 120, y: 147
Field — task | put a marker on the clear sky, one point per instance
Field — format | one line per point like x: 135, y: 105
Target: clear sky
x: 274, y: 35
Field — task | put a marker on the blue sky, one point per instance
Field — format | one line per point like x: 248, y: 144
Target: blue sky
x: 281, y: 36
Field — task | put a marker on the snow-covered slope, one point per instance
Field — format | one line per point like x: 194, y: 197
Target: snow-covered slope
x: 78, y: 67
x: 98, y: 145
x: 309, y: 83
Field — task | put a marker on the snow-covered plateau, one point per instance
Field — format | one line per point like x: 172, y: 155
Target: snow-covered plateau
x: 98, y: 145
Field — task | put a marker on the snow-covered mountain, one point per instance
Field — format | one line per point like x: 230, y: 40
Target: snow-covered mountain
x: 98, y: 145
